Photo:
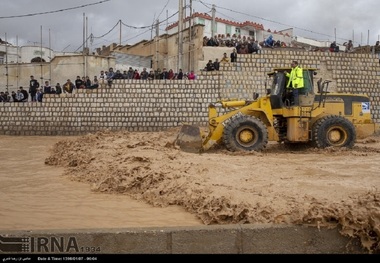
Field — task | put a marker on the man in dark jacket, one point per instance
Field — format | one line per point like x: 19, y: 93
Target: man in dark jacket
x: 33, y: 86
x: 25, y: 94
x: 233, y: 55
x: 210, y: 66
x: 79, y: 83
x: 58, y: 88
x: 118, y: 75
x: 216, y: 64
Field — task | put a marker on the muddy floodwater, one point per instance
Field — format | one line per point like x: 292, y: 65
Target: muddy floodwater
x: 134, y: 179
x: 35, y: 196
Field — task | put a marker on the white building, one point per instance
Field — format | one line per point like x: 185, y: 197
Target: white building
x: 225, y: 28
x: 10, y: 54
x: 316, y: 43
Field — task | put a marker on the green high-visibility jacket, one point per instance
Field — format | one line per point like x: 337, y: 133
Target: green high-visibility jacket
x: 295, y: 78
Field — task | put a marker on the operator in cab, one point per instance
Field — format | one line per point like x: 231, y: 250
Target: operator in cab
x: 295, y: 83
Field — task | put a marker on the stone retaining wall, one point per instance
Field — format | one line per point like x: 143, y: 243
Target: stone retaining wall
x: 227, y: 239
x: 137, y: 105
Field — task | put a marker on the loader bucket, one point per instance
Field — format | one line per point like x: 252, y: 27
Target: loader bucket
x: 189, y: 139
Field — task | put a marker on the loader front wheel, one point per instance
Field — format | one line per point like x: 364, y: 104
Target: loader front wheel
x: 334, y: 131
x: 245, y: 133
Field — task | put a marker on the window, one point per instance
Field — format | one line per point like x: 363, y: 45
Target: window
x: 37, y: 59
x: 2, y: 57
x: 237, y: 30
x: 228, y: 30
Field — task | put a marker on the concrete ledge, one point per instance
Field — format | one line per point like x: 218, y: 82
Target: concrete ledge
x: 229, y: 239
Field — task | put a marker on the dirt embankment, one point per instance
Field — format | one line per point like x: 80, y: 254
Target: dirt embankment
x: 322, y: 188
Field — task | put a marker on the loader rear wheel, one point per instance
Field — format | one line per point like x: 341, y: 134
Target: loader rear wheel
x: 334, y: 131
x: 245, y: 133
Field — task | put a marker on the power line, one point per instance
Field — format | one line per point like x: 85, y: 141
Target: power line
x: 163, y: 9
x: 108, y: 31
x: 56, y: 11
x: 129, y: 26
x: 132, y: 27
x: 150, y: 26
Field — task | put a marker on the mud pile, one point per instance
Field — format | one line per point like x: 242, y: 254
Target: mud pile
x: 322, y: 188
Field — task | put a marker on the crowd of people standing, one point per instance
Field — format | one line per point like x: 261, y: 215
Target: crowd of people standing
x: 35, y: 92
x: 134, y: 74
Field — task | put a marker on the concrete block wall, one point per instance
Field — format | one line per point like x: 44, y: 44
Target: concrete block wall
x: 214, y: 239
x: 137, y: 105
x: 127, y: 105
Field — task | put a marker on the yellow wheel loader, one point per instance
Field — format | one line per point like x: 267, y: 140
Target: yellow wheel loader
x: 321, y: 119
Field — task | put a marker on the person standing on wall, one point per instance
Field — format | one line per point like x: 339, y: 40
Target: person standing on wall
x: 39, y: 95
x: 233, y: 55
x: 295, y: 82
x: 144, y: 74
x: 216, y: 64
x: 33, y: 86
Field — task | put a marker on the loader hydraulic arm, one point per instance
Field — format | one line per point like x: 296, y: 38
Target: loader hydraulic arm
x: 213, y: 108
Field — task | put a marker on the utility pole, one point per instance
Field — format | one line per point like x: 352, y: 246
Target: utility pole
x: 6, y: 61
x: 157, y: 42
x: 42, y: 73
x: 84, y: 45
x: 49, y: 58
x: 191, y: 44
x: 120, y: 33
x: 368, y: 38
x: 180, y: 35
x: 361, y: 38
x: 87, y: 49
x: 18, y: 62
x: 213, y: 21
x: 166, y: 58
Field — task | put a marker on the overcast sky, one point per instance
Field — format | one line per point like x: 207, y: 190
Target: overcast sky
x: 21, y: 20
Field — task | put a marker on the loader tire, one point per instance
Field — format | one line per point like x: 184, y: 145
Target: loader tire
x: 245, y: 133
x: 334, y: 131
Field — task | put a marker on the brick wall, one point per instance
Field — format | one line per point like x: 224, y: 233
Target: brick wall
x: 137, y: 105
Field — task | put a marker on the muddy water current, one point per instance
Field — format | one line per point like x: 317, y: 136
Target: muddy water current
x: 34, y: 196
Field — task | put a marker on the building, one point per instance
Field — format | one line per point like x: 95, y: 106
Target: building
x: 222, y: 28
x: 17, y: 64
x: 167, y: 51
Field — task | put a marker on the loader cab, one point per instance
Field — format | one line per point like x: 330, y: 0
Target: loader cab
x: 279, y: 82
